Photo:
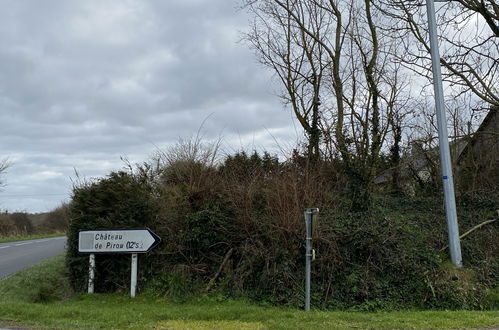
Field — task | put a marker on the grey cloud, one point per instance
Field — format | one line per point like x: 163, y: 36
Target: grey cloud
x: 84, y: 82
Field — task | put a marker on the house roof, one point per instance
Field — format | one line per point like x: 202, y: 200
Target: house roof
x: 419, y: 158
x: 482, y: 129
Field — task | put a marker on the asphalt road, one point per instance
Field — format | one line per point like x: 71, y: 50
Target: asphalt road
x: 15, y: 256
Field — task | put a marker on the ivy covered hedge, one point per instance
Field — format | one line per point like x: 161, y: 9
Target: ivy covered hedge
x: 238, y: 230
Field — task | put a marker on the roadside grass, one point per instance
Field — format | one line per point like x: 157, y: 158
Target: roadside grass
x: 43, y: 282
x: 20, y: 305
x: 8, y: 239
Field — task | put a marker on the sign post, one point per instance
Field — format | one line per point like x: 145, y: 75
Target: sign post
x: 133, y: 284
x: 132, y: 241
x: 91, y: 273
x: 310, y: 215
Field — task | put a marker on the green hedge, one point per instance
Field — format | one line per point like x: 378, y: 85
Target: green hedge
x: 121, y: 200
x: 238, y: 230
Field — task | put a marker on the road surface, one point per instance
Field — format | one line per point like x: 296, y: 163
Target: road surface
x: 15, y: 256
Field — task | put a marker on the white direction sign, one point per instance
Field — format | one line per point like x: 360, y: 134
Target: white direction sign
x: 117, y: 241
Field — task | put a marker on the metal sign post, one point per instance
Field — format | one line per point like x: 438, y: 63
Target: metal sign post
x: 91, y: 273
x: 116, y: 241
x: 133, y: 284
x: 310, y: 214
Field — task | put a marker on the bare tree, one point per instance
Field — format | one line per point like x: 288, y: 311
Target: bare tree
x: 469, y: 42
x: 4, y: 164
x: 339, y: 74
x: 488, y: 9
x: 296, y: 57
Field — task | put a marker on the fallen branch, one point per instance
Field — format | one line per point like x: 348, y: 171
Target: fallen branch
x: 222, y: 265
x: 470, y: 231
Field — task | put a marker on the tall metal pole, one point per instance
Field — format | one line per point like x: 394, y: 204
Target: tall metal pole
x: 443, y: 138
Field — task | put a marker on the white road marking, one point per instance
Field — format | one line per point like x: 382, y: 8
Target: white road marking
x: 49, y: 239
x: 31, y: 242
x: 19, y: 244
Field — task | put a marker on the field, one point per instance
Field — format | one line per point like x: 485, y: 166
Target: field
x: 40, y: 298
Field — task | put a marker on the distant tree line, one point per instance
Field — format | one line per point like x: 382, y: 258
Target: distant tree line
x: 23, y: 223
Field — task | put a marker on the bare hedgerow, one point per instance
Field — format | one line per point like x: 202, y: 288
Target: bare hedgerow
x: 15, y: 224
x: 7, y: 227
x: 57, y: 220
x: 186, y: 196
x: 268, y: 198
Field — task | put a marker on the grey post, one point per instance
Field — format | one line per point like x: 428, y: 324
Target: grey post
x: 91, y: 273
x: 133, y: 284
x: 443, y: 138
x: 309, y: 218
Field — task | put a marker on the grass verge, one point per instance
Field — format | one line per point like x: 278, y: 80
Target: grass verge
x: 44, y: 282
x: 20, y: 304
x: 8, y: 239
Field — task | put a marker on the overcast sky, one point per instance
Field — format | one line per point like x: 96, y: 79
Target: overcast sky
x: 85, y: 82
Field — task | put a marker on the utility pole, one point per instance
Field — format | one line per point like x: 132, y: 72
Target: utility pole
x: 443, y: 139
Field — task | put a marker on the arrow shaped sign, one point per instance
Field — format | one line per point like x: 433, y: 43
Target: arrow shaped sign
x: 117, y: 241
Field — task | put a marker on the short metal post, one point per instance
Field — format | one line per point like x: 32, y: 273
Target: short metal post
x: 91, y: 273
x: 133, y: 285
x: 309, y: 214
x: 308, y: 257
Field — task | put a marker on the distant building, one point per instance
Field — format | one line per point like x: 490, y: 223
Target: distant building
x: 483, y: 146
x: 475, y: 158
x: 478, y: 162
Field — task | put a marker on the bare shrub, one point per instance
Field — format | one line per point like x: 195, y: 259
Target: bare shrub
x: 268, y: 198
x: 22, y: 223
x: 15, y: 224
x: 7, y: 227
x: 56, y: 220
x: 186, y: 182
